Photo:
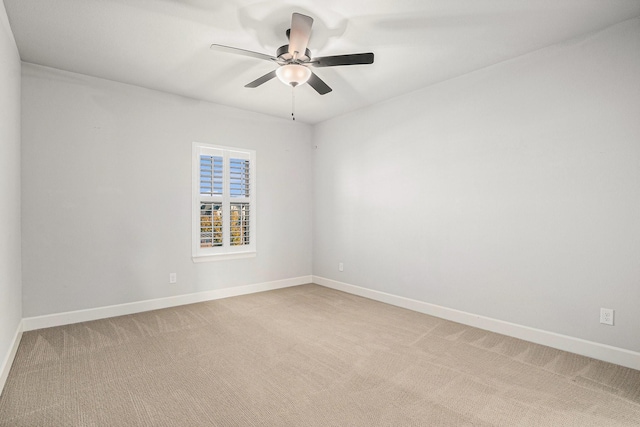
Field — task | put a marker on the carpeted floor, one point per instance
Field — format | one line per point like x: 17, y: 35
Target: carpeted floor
x: 304, y: 356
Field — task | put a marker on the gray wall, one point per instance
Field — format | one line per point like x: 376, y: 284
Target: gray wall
x: 512, y: 192
x: 107, y: 193
x: 10, y: 288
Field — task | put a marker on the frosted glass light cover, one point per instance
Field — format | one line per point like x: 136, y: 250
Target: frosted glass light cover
x: 293, y: 74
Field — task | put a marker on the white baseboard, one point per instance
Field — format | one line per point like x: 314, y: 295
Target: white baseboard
x: 607, y: 353
x: 8, y: 360
x: 618, y: 356
x: 67, y: 318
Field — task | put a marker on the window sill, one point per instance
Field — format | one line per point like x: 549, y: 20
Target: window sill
x: 223, y: 257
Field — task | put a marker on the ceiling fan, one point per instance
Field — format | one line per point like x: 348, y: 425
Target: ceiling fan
x: 294, y: 58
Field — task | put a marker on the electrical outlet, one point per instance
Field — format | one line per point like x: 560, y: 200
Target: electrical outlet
x: 340, y: 267
x: 173, y: 278
x: 606, y: 316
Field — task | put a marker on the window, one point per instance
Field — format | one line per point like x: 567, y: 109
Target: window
x: 224, y: 208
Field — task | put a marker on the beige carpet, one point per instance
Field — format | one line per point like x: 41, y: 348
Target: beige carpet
x: 304, y: 356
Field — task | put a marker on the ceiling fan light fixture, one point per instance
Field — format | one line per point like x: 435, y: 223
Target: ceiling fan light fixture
x: 293, y: 74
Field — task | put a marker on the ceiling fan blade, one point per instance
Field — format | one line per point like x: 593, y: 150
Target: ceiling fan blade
x: 321, y: 87
x: 300, y: 33
x: 243, y: 52
x: 257, y: 82
x: 352, y: 59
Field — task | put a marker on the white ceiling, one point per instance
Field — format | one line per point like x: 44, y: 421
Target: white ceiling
x: 164, y: 44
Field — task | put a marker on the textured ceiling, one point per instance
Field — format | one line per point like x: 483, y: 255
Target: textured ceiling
x: 164, y: 44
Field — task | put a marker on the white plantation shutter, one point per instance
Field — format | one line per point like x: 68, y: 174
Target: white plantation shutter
x: 240, y: 175
x: 210, y: 224
x: 240, y: 224
x: 224, y: 202
x: 240, y: 194
x: 211, y: 175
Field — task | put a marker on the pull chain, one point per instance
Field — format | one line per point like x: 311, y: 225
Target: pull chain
x: 293, y: 103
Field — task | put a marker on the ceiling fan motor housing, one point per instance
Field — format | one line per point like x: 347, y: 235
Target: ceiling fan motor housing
x: 283, y: 54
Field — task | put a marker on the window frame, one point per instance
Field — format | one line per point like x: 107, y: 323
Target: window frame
x: 226, y: 250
